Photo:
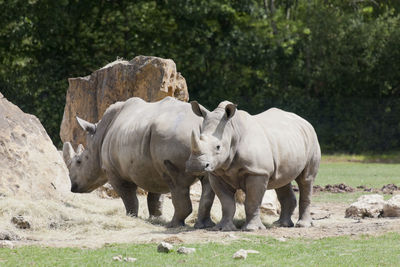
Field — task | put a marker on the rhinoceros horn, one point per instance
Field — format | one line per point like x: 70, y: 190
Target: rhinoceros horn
x: 68, y: 152
x: 80, y: 149
x: 195, y: 142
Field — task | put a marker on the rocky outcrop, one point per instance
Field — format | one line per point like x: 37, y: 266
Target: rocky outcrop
x: 374, y: 206
x: 149, y: 78
x: 269, y: 206
x: 366, y: 206
x: 392, y: 207
x: 30, y: 165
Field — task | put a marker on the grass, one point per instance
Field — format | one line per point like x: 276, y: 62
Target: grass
x: 354, y: 170
x: 337, y: 251
x: 390, y: 157
x: 327, y: 197
x: 353, y: 174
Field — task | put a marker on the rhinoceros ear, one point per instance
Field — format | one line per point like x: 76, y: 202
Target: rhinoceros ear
x: 230, y: 110
x: 68, y: 152
x: 198, y: 109
x: 87, y: 126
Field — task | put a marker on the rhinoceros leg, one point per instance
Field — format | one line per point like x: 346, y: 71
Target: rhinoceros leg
x: 226, y: 195
x: 182, y: 205
x: 180, y: 193
x: 127, y: 191
x: 154, y: 204
x: 287, y: 199
x: 206, y: 201
x: 255, y: 189
x: 305, y: 182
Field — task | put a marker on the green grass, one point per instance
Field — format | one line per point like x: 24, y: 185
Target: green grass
x: 353, y: 174
x: 390, y: 157
x: 337, y: 170
x: 327, y: 197
x: 338, y: 251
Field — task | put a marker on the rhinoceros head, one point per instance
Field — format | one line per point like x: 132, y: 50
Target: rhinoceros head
x: 212, y: 148
x: 84, y: 164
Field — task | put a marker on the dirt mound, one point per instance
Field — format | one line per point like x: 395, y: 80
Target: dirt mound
x: 390, y: 188
x: 336, y: 188
x: 343, y: 188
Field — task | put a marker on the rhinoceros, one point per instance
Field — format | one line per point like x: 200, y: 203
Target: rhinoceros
x: 254, y: 153
x: 141, y: 144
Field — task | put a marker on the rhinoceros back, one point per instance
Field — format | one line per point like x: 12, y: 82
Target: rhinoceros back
x: 283, y: 143
x: 294, y: 144
x: 143, y: 135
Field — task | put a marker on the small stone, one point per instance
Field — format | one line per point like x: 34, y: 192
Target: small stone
x: 6, y: 235
x: 281, y: 239
x: 6, y: 244
x: 117, y: 258
x: 241, y: 254
x: 20, y: 222
x: 164, y: 247
x: 184, y: 250
x: 129, y: 259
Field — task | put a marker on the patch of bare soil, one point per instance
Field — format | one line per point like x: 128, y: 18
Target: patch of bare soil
x: 329, y: 220
x: 85, y: 220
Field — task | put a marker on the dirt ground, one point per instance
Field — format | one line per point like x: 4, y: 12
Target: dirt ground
x: 85, y: 220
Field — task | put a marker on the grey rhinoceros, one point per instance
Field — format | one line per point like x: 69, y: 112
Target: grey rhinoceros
x: 255, y: 153
x: 141, y: 144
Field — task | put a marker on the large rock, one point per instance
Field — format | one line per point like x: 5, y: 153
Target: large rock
x: 30, y: 165
x: 149, y: 78
x: 366, y: 206
x: 392, y: 207
x: 269, y: 206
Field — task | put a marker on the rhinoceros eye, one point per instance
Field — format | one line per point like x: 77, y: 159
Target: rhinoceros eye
x: 218, y: 147
x: 78, y: 161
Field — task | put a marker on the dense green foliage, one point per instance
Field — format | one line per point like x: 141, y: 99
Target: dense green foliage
x: 335, y: 251
x: 336, y: 63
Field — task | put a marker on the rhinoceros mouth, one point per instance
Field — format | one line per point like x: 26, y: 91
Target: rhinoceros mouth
x: 74, y: 188
x: 209, y: 169
x: 194, y: 171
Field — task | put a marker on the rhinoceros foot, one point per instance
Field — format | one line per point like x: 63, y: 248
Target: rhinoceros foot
x: 304, y: 223
x: 284, y: 223
x: 175, y: 223
x: 254, y: 225
x: 206, y: 223
x: 224, y: 226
